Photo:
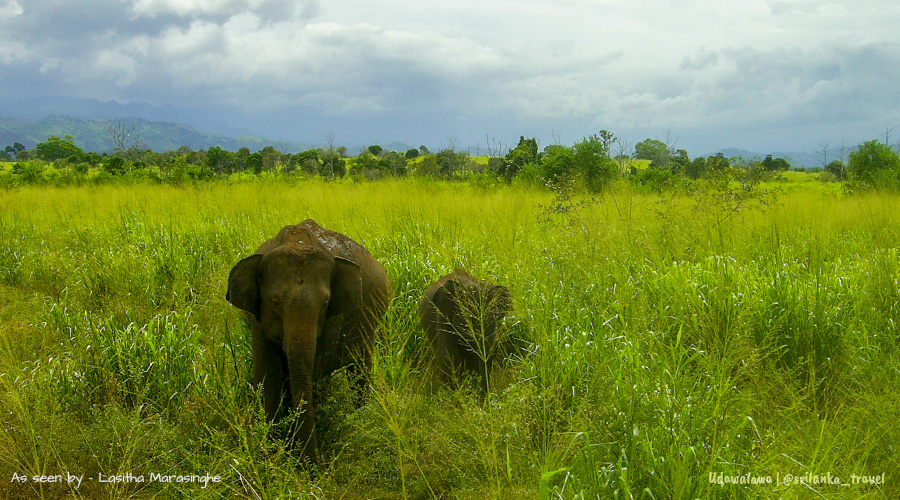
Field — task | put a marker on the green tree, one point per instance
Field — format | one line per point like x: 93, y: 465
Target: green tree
x: 254, y: 163
x: 452, y: 163
x: 428, y: 166
x: 393, y: 163
x: 55, y: 148
x: 271, y: 158
x: 717, y: 164
x: 412, y: 154
x: 365, y: 163
x: 16, y: 151
x: 775, y: 164
x: 375, y: 149
x: 11, y: 152
x: 873, y: 160
x: 333, y: 163
x: 593, y: 163
x: 525, y: 153
x: 219, y: 161
x: 654, y: 150
x: 653, y: 179
x: 115, y: 165
x: 558, y: 163
x: 310, y: 161
x: 680, y: 161
x: 29, y: 171
x: 607, y: 139
x: 240, y: 158
x: 837, y: 169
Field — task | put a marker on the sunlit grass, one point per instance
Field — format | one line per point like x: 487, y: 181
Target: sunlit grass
x: 659, y: 345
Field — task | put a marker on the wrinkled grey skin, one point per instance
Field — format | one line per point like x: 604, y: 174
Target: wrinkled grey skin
x: 315, y: 298
x: 460, y: 316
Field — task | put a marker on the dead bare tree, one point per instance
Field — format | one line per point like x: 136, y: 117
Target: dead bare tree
x: 125, y: 136
x: 494, y: 147
x: 843, y: 161
x: 557, y: 140
x: 623, y: 154
x: 823, y: 154
x: 670, y: 139
x: 888, y: 131
x: 329, y: 139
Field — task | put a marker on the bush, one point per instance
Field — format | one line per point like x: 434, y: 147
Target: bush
x: 654, y: 179
x: 885, y: 180
x: 530, y: 175
x: 558, y: 163
x: 29, y: 171
x: 115, y: 165
x: 870, y: 159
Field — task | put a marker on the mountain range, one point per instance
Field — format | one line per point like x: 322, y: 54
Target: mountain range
x: 94, y: 134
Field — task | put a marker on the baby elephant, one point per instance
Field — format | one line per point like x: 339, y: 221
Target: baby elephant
x: 461, y: 316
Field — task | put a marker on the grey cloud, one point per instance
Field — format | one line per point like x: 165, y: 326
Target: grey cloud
x: 270, y: 11
x: 280, y: 10
x: 702, y: 59
x: 832, y: 83
x: 269, y: 61
x: 780, y: 7
x: 786, y: 95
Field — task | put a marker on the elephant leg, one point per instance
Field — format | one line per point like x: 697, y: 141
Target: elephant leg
x: 444, y: 357
x: 269, y: 370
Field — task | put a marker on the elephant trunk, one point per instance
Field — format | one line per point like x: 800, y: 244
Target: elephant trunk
x: 300, y: 350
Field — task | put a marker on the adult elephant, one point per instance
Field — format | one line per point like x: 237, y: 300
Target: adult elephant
x: 461, y: 315
x: 315, y: 298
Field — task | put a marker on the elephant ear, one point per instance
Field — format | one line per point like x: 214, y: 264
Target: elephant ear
x: 502, y: 299
x: 346, y: 287
x: 243, y: 288
x: 444, y: 300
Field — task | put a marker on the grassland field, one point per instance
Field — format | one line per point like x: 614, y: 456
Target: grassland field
x: 671, y: 346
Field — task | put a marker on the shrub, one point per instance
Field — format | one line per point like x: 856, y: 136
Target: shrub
x: 871, y: 158
x: 115, y: 165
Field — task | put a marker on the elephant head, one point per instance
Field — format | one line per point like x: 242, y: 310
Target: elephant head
x: 473, y: 310
x: 310, y: 311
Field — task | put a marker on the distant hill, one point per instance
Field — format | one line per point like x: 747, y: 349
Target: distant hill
x: 92, y: 134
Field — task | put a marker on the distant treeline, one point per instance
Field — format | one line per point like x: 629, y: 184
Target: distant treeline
x: 590, y: 164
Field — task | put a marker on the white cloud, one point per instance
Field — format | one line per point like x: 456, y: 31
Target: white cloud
x: 117, y: 66
x: 269, y: 9
x: 10, y: 9
x: 192, y: 7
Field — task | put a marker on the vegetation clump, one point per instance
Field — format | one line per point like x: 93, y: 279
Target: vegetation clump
x: 592, y: 165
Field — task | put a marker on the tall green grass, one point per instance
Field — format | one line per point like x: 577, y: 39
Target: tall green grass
x: 659, y: 345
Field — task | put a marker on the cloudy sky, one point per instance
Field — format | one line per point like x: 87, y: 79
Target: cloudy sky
x: 753, y: 74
